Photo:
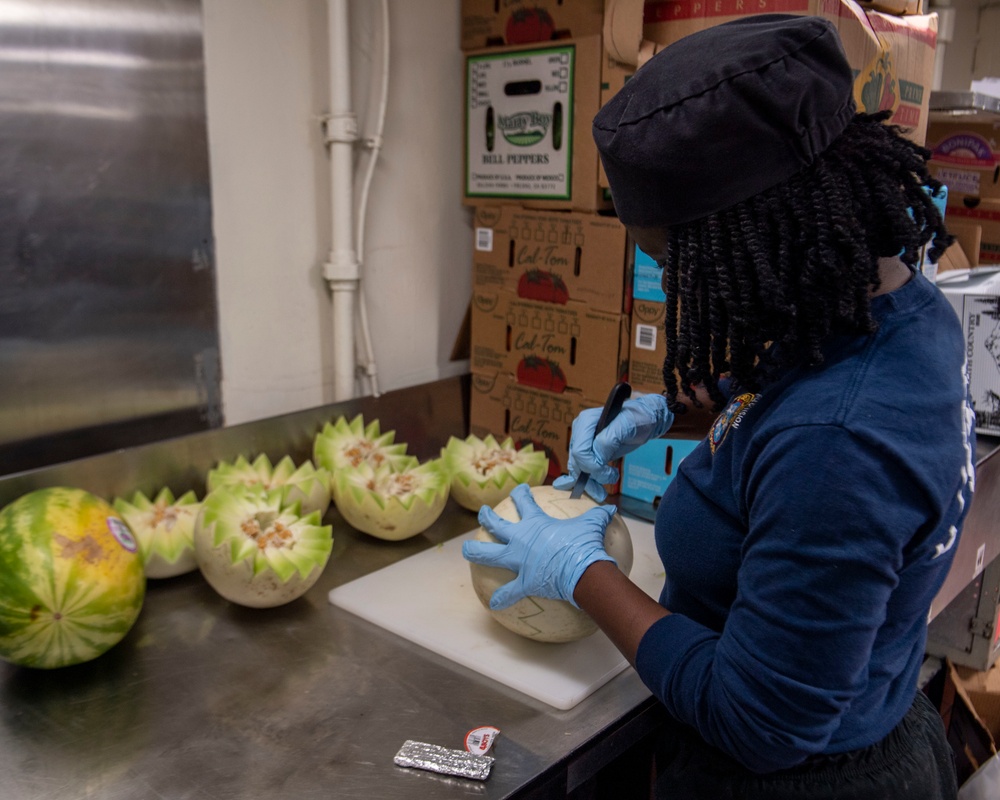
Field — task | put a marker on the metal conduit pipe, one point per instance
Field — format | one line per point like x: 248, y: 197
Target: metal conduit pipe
x: 341, y: 269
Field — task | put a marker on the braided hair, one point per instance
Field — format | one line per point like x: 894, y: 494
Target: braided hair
x: 761, y: 286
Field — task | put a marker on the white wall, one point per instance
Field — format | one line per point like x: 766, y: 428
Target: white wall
x: 957, y: 56
x: 266, y: 84
x: 267, y: 89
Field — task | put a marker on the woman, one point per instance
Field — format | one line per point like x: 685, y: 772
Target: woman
x: 804, y: 540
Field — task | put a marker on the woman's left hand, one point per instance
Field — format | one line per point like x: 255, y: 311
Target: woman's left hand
x: 549, y: 555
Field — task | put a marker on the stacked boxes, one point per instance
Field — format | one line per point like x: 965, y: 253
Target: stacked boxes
x: 550, y: 328
x: 549, y: 317
x: 892, y: 53
x: 966, y: 158
x: 648, y: 471
x: 553, y: 321
x: 648, y: 348
x: 486, y: 24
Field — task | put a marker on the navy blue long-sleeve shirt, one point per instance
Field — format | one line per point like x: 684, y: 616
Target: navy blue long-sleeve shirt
x: 805, y: 538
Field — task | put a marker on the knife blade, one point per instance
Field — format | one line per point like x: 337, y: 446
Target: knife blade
x: 620, y: 392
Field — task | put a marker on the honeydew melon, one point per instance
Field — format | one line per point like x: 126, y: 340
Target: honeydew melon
x: 71, y: 578
x: 347, y: 445
x: 483, y: 471
x: 392, y: 501
x: 305, y: 484
x: 539, y: 618
x: 254, y: 550
x: 164, y: 529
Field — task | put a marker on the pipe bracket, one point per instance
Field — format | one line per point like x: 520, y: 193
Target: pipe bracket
x: 342, y: 269
x: 341, y: 128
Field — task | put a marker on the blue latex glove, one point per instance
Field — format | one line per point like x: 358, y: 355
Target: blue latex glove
x: 641, y: 419
x: 549, y: 555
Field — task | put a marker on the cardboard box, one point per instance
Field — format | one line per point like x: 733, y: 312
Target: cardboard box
x: 983, y: 688
x: 647, y: 472
x: 981, y: 214
x: 954, y: 258
x: 528, y: 114
x: 555, y: 256
x: 502, y: 407
x: 893, y: 56
x: 976, y: 299
x: 968, y: 734
x: 896, y: 7
x: 648, y: 348
x: 556, y: 348
x: 488, y: 23
x: 966, y: 154
x: 647, y: 283
x: 968, y: 237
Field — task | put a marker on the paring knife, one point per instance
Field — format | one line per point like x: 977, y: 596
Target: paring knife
x: 619, y: 394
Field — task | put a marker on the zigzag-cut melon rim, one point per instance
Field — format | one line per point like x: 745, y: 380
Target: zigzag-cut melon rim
x: 257, y: 528
x: 164, y: 529
x: 305, y: 483
x: 484, y: 471
x: 346, y: 445
x: 392, y: 503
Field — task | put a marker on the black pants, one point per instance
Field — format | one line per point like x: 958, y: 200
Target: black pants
x: 914, y: 762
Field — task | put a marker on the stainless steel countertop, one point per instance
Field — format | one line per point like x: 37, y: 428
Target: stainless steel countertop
x: 210, y: 701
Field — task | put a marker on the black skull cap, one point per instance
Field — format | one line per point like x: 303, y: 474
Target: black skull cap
x: 723, y: 114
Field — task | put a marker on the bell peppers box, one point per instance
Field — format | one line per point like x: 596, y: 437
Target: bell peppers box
x: 499, y: 405
x: 488, y: 23
x: 647, y: 472
x: 892, y: 56
x: 528, y: 115
x: 975, y: 296
x: 556, y: 348
x: 556, y: 257
x: 965, y: 155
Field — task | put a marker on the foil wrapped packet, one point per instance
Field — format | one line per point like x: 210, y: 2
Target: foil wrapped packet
x: 434, y: 758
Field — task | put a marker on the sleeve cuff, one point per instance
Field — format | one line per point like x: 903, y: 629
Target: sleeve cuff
x: 669, y: 642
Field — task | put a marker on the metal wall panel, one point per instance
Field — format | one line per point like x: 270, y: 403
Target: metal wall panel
x: 108, y: 322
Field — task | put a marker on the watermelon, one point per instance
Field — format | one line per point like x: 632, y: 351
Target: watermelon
x: 71, y: 578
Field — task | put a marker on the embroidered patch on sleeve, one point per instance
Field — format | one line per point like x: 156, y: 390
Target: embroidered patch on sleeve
x: 730, y: 417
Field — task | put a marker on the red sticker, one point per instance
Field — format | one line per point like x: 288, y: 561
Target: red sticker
x: 480, y: 740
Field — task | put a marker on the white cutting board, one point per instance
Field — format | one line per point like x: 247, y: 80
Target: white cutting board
x: 428, y: 599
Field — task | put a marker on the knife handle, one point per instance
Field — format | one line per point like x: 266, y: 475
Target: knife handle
x: 620, y: 392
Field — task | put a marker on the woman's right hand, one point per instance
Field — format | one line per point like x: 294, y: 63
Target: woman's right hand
x: 641, y: 419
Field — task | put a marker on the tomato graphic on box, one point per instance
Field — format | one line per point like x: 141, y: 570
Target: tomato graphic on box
x: 529, y: 25
x: 555, y: 468
x: 540, y: 373
x: 548, y: 287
